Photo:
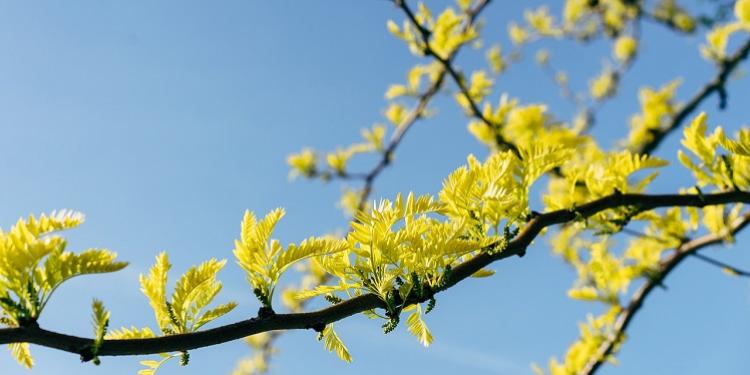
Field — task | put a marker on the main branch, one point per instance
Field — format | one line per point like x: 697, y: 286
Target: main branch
x: 181, y: 342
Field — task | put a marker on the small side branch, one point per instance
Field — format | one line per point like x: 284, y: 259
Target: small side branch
x: 689, y: 248
x: 453, y: 71
x: 728, y: 268
x: 717, y: 85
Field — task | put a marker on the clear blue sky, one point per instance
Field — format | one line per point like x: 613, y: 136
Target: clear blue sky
x: 163, y: 121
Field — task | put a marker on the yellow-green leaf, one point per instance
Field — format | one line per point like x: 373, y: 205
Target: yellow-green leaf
x: 418, y: 328
x: 20, y: 351
x: 154, y: 286
x: 333, y: 343
x: 125, y: 333
x: 100, y: 320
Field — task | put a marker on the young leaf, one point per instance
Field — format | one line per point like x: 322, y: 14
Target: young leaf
x: 418, y: 328
x: 154, y: 286
x: 214, y: 313
x: 196, y: 288
x: 100, y: 321
x: 194, y: 291
x: 332, y: 342
x: 21, y: 353
x: 62, y: 266
x: 264, y: 259
x: 310, y: 247
x: 125, y: 333
x: 27, y: 279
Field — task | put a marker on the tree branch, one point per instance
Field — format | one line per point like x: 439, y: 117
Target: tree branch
x: 668, y: 265
x: 454, y: 73
x: 181, y: 342
x: 717, y: 85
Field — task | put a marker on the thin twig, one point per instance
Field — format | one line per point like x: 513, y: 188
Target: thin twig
x: 732, y: 270
x: 454, y: 73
